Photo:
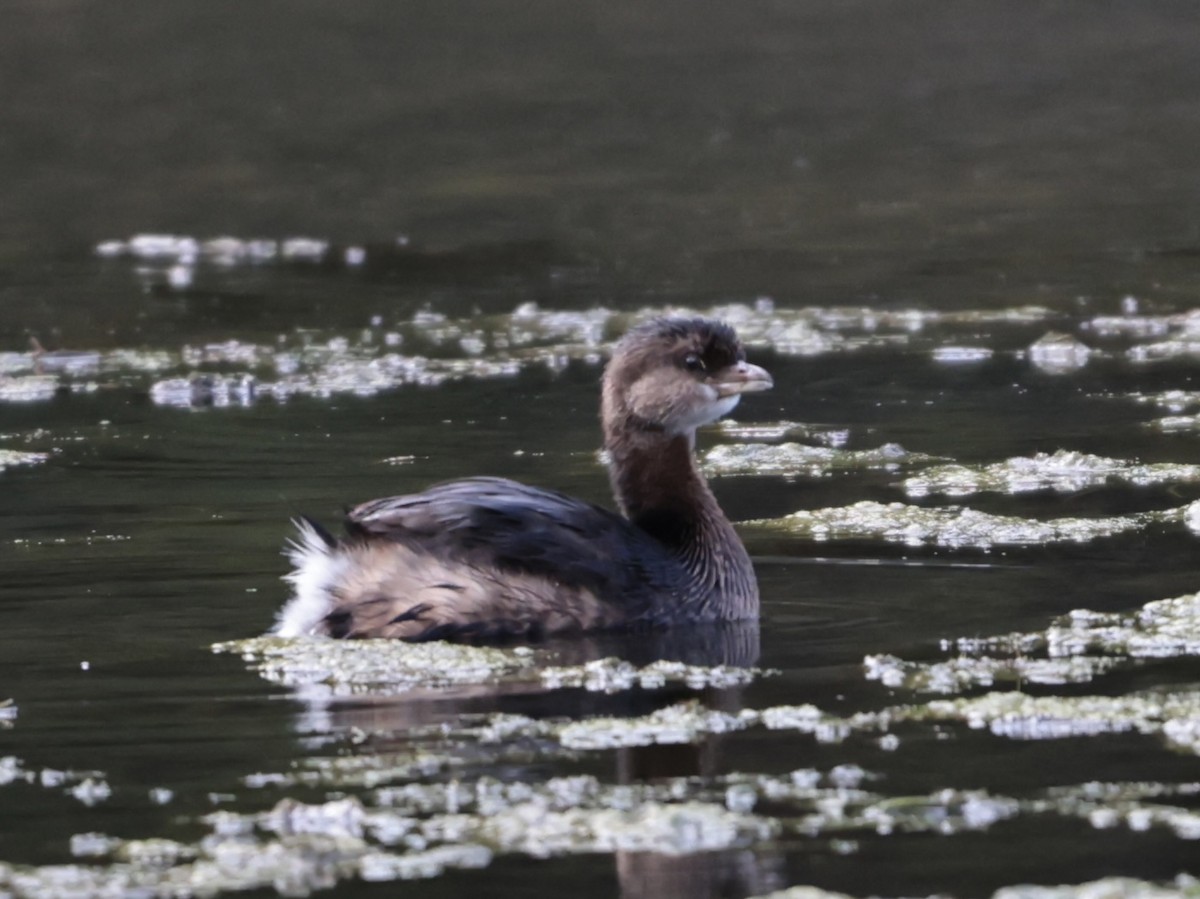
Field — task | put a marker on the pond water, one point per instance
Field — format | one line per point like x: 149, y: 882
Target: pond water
x: 258, y: 261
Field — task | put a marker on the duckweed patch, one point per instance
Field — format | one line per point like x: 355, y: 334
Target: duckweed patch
x: 1184, y: 887
x: 1075, y: 648
x: 963, y: 673
x: 777, y: 431
x: 411, y: 828
x: 88, y: 787
x: 13, y: 458
x: 331, y: 668
x: 1172, y: 715
x: 1056, y: 353
x: 611, y: 675
x: 1174, y: 401
x: 297, y: 848
x: 349, y: 667
x: 799, y: 460
x: 28, y: 388
x: 427, y: 349
x: 955, y: 527
x: 1180, y: 338
x: 1063, y: 471
x: 1163, y: 628
x: 1176, y: 424
x: 962, y: 355
x: 420, y: 830
x: 683, y: 722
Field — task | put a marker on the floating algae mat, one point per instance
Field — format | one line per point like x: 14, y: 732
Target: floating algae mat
x: 362, y: 666
x: 12, y: 458
x: 1173, y: 715
x: 1075, y: 648
x: 962, y: 673
x: 797, y: 460
x: 422, y: 830
x: 778, y: 431
x: 1164, y: 628
x: 1062, y: 471
x: 1183, y: 887
x: 958, y: 527
x: 385, y: 667
x: 431, y: 348
x: 418, y: 813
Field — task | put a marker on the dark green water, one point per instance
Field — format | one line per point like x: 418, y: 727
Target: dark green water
x: 885, y: 155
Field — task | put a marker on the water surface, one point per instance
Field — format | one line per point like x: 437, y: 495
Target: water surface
x: 897, y: 204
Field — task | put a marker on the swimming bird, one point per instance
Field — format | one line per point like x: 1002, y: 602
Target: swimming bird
x: 489, y: 559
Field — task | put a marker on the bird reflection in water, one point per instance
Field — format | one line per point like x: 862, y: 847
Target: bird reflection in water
x: 386, y: 724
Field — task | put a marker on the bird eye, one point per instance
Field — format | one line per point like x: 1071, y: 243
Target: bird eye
x: 692, y: 362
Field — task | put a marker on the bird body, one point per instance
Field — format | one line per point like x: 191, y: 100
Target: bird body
x: 487, y: 559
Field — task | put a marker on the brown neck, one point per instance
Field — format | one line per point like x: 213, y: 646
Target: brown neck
x: 660, y: 489
x: 654, y: 475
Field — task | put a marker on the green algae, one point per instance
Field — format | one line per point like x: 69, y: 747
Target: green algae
x: 295, y: 866
x: 1174, y: 401
x: 28, y: 388
x: 955, y: 527
x: 422, y: 829
x: 684, y: 722
x: 778, y: 431
x: 1129, y: 326
x: 1184, y: 344
x: 333, y: 668
x: 435, y: 752
x: 1074, y: 648
x: 13, y: 458
x: 961, y: 355
x: 1062, y: 471
x: 379, y: 866
x: 1172, y: 715
x: 1184, y: 887
x: 799, y: 460
x: 1056, y: 353
x: 350, y: 667
x: 1177, y: 424
x: 297, y: 848
x: 960, y: 674
x: 611, y: 675
x: 438, y: 349
x: 681, y: 723
x: 1163, y: 628
x: 11, y: 770
x: 803, y: 892
x: 1108, y: 805
x: 91, y: 791
x: 87, y: 786
x: 420, y: 816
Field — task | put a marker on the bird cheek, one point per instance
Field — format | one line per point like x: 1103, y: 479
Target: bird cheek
x: 646, y: 401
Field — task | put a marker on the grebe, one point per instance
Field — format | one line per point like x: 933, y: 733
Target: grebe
x: 490, y: 559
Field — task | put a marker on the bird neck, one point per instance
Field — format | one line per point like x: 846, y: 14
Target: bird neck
x: 660, y: 489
